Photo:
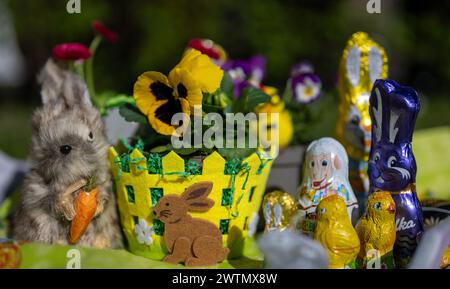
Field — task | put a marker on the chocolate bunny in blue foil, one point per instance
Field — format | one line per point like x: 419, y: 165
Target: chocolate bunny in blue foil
x: 392, y: 167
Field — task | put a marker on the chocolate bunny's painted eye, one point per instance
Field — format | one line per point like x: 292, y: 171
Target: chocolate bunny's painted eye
x: 323, y: 211
x: 392, y: 162
x: 354, y: 116
x: 376, y: 157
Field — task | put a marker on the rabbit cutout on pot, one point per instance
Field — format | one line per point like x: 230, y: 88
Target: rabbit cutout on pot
x: 392, y: 167
x: 192, y: 241
x: 68, y: 148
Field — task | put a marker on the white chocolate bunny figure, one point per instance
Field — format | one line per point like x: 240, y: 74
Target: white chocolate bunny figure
x: 325, y: 173
x: 68, y: 147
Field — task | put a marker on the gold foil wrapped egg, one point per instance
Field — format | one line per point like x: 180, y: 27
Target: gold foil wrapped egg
x: 363, y: 61
x: 278, y: 208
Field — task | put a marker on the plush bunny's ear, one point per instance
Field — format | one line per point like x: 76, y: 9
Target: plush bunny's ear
x: 51, y: 79
x: 61, y: 86
x: 196, y: 196
x: 75, y: 91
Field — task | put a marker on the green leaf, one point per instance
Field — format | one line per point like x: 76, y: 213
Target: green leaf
x: 160, y: 149
x: 227, y: 84
x: 250, y: 98
x: 212, y: 108
x: 288, y: 93
x: 186, y: 151
x: 240, y: 153
x: 215, y: 102
x: 132, y: 114
x: 119, y: 100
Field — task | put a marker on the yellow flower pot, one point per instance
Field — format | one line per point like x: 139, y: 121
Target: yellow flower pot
x: 237, y: 198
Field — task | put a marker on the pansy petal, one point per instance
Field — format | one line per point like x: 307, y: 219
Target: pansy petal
x: 186, y: 106
x: 207, y: 74
x: 161, y: 113
x: 150, y: 87
x: 186, y: 86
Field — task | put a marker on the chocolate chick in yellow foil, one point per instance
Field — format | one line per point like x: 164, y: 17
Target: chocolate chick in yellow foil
x: 336, y: 233
x: 278, y: 207
x: 376, y: 231
x: 363, y: 61
x: 325, y: 173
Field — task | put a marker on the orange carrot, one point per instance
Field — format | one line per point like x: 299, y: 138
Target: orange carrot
x: 85, y: 207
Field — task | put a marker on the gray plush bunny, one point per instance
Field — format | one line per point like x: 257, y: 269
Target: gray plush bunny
x: 68, y: 147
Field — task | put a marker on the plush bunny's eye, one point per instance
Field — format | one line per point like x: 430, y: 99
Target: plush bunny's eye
x: 377, y: 206
x: 324, y: 163
x: 312, y: 164
x: 65, y: 149
x: 392, y: 162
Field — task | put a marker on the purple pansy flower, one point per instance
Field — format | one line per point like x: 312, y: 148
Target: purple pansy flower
x: 302, y: 68
x: 306, y: 86
x: 246, y: 72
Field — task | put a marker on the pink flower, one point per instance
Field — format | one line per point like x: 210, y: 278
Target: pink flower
x: 71, y: 51
x: 101, y: 29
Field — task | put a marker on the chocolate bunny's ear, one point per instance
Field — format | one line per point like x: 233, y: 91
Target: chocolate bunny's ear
x: 352, y: 65
x: 196, y: 196
x: 375, y: 60
x: 394, y: 110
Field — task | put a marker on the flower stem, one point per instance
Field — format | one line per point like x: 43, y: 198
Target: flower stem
x: 78, y: 67
x: 90, y: 69
x: 72, y: 66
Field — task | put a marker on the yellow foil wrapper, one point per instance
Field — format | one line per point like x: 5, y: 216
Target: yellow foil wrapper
x: 285, y: 126
x: 363, y: 61
x: 278, y: 207
x: 445, y: 263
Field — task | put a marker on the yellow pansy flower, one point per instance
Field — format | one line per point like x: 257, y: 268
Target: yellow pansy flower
x: 160, y: 97
x: 207, y: 74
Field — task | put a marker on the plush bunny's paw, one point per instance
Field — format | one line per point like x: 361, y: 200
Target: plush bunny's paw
x: 65, y: 208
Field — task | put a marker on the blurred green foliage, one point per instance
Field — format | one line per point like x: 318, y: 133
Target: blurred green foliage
x: 153, y: 35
